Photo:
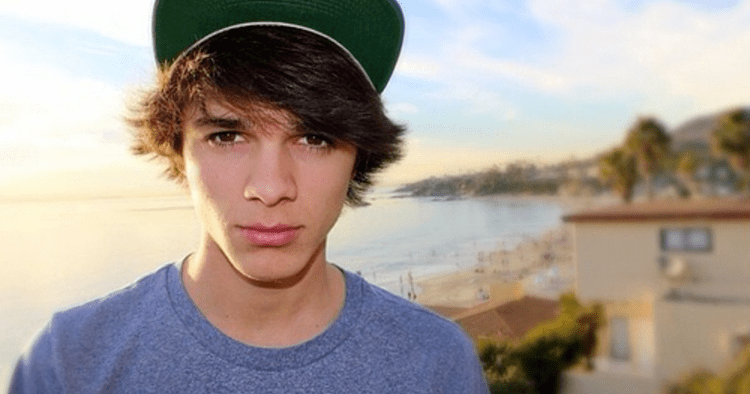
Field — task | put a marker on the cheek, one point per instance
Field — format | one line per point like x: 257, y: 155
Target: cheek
x: 344, y: 170
x: 337, y: 179
x: 199, y: 189
x: 208, y: 196
x: 324, y: 183
x: 194, y: 175
x: 203, y: 179
x: 202, y: 169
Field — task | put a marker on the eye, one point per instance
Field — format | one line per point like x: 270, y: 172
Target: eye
x: 225, y: 138
x: 316, y: 141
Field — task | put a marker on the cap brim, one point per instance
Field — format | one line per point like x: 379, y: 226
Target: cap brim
x: 371, y: 31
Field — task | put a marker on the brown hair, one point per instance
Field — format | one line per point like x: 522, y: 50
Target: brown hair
x: 282, y: 67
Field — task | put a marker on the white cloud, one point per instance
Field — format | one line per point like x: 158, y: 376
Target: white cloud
x: 420, y: 67
x: 459, y: 9
x: 573, y: 12
x: 664, y: 51
x: 492, y: 68
x: 127, y: 21
x: 48, y: 117
x: 402, y: 109
x: 478, y: 99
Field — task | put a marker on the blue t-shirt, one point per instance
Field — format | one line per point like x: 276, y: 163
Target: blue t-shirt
x: 151, y: 338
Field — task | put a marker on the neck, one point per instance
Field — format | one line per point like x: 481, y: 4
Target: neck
x: 278, y: 313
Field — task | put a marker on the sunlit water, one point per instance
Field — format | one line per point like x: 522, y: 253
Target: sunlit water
x: 423, y: 236
x: 60, y: 253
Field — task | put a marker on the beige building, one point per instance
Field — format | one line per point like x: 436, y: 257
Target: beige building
x: 674, y: 277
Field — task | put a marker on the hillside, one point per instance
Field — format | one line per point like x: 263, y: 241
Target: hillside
x: 526, y: 178
x: 694, y: 134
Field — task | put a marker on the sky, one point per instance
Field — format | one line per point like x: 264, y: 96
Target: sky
x: 479, y: 83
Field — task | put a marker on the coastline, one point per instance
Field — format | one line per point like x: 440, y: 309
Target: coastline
x: 542, y: 266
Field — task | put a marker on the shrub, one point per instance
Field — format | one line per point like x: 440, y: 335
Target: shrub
x: 535, y: 364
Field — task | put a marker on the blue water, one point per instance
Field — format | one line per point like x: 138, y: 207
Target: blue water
x: 395, y: 236
x: 424, y: 236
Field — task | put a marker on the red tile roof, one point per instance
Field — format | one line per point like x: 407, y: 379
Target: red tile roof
x: 509, y: 320
x: 714, y: 208
x: 445, y: 311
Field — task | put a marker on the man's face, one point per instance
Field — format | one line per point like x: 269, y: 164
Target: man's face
x: 266, y: 192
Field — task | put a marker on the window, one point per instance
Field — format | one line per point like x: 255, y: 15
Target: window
x: 686, y: 240
x: 739, y: 343
x: 619, y: 341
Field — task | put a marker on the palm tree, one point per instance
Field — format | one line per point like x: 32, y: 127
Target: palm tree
x: 731, y: 139
x: 686, y: 166
x: 618, y: 169
x: 648, y: 141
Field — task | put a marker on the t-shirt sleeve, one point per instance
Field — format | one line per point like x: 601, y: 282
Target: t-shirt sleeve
x: 35, y: 371
x: 463, y: 373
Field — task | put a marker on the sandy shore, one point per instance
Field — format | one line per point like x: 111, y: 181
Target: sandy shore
x: 543, y: 266
x: 540, y: 266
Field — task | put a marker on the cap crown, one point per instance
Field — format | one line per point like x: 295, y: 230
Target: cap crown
x: 371, y: 31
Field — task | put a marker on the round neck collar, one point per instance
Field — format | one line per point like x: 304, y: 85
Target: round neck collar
x: 262, y: 358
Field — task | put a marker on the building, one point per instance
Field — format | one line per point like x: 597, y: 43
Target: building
x: 674, y: 277
x: 506, y: 320
x: 507, y: 313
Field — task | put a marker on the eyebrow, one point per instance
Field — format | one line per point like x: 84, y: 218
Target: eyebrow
x: 230, y: 121
x: 220, y: 122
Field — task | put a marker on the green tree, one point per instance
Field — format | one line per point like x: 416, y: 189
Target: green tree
x: 648, y: 141
x: 734, y: 379
x: 731, y: 139
x: 685, y: 171
x: 576, y: 321
x: 700, y: 382
x: 618, y: 170
x: 536, y: 363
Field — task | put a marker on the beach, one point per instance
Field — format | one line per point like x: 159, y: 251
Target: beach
x: 542, y: 266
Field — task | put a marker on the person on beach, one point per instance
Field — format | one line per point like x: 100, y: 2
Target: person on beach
x: 269, y: 113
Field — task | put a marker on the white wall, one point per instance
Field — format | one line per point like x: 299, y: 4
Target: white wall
x: 691, y: 335
x: 620, y: 260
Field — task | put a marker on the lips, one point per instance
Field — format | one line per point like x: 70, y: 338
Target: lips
x: 276, y: 235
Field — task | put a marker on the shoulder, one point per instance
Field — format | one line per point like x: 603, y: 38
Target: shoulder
x: 78, y: 338
x: 104, y: 319
x: 400, y: 318
x: 115, y: 310
x: 412, y: 338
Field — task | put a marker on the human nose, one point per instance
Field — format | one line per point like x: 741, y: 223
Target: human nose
x: 271, y: 178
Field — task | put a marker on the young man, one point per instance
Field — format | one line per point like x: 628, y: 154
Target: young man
x: 269, y: 113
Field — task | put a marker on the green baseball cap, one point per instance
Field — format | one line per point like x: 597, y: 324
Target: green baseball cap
x: 370, y: 31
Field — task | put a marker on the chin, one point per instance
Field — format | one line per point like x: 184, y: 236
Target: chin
x: 274, y: 274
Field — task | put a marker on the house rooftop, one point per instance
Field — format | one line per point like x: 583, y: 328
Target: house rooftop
x: 445, y: 311
x: 714, y: 208
x: 507, y: 320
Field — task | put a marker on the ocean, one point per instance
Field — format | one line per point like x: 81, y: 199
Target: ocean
x: 60, y: 253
